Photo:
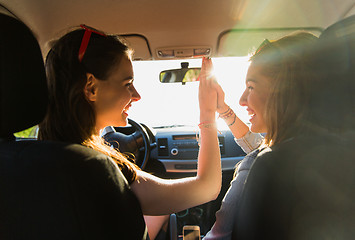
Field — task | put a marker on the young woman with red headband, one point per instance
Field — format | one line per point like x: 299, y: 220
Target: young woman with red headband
x: 90, y: 79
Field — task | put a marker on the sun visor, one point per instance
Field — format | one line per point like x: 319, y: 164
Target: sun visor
x: 243, y: 42
x: 140, y: 45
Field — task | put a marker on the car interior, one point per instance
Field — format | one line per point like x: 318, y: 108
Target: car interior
x: 169, y: 39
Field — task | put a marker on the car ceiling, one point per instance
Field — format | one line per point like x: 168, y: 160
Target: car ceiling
x: 174, y: 23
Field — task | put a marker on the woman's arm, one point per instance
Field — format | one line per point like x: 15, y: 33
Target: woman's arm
x: 161, y: 196
x: 250, y: 141
x: 237, y: 126
x: 247, y: 140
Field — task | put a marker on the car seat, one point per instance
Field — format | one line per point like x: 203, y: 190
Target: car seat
x: 52, y: 190
x: 304, y: 187
x: 333, y: 96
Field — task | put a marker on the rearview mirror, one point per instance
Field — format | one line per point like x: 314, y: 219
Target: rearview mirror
x: 182, y: 75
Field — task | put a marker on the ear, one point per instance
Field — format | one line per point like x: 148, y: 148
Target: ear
x: 90, y: 89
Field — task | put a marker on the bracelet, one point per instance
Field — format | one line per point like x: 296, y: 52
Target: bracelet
x: 207, y: 125
x: 227, y: 114
x: 235, y: 117
x: 225, y: 111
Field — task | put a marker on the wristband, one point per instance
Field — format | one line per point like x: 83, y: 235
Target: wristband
x: 233, y: 121
x: 207, y: 125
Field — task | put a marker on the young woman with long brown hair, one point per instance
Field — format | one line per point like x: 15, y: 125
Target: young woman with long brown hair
x: 276, y: 97
x: 90, y: 79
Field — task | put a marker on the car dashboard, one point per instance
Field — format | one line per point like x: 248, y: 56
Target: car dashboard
x: 177, y: 149
x: 175, y: 154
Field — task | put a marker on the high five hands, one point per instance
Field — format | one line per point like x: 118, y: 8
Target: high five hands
x: 207, y: 90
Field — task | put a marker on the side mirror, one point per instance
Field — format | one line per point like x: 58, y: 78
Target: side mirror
x: 182, y: 75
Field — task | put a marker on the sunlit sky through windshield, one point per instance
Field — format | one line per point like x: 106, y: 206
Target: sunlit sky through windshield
x: 164, y: 104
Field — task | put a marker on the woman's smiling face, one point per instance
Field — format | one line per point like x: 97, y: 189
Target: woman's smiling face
x: 115, y: 96
x: 255, y: 97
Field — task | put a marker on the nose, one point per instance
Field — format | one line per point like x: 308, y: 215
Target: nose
x: 243, y: 98
x: 135, y: 95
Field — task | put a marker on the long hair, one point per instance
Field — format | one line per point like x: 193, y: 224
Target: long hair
x: 287, y: 62
x: 70, y: 116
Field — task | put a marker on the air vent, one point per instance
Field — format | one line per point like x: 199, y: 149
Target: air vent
x: 163, y: 149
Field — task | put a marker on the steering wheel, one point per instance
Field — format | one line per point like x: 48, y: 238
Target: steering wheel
x: 132, y: 139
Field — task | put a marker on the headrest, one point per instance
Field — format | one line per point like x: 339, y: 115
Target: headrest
x: 338, y: 45
x: 335, y: 66
x: 23, y: 89
x: 342, y: 29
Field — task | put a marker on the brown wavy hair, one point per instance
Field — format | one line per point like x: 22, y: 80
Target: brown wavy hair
x: 288, y: 63
x: 70, y: 116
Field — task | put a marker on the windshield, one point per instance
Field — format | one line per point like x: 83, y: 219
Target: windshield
x: 171, y: 104
x: 165, y: 105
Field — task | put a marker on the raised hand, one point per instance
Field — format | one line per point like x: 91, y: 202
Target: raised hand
x: 207, y: 92
x: 221, y: 104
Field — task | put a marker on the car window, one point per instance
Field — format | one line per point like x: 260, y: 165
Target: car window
x: 31, y: 132
x: 170, y: 104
